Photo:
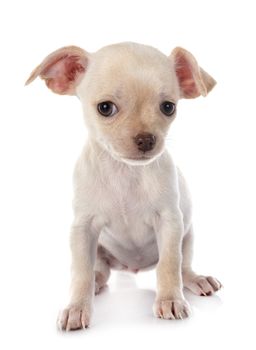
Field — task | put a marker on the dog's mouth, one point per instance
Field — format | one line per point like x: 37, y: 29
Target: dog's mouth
x: 140, y: 160
x: 137, y: 161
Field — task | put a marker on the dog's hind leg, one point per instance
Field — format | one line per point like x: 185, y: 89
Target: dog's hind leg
x: 198, y: 284
x: 101, y: 270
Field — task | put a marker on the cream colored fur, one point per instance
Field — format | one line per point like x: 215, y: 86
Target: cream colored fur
x: 132, y: 209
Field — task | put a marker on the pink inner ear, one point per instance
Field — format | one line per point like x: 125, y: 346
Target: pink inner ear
x: 185, y: 77
x: 62, y: 75
x: 73, y: 67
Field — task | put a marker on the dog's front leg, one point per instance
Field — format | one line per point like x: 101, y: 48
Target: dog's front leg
x: 170, y: 302
x: 83, y: 243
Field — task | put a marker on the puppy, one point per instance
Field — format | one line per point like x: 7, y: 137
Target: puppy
x: 132, y: 208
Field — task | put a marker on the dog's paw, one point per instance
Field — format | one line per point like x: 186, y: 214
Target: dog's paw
x: 202, y: 285
x: 171, y: 309
x: 72, y: 318
x: 97, y: 288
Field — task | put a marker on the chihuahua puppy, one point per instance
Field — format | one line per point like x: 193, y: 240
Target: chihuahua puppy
x: 132, y: 208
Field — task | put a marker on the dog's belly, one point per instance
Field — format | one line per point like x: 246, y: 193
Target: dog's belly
x: 131, y: 247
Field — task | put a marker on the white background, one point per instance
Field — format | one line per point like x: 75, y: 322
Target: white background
x: 212, y: 140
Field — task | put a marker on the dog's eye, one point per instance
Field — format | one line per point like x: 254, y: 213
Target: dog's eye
x: 107, y: 108
x: 168, y: 108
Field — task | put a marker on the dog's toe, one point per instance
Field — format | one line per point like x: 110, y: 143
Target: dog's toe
x: 202, y: 285
x: 171, y: 309
x: 73, y: 318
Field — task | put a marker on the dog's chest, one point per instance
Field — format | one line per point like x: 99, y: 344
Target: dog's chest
x: 130, y: 206
x: 129, y: 233
x: 130, y: 197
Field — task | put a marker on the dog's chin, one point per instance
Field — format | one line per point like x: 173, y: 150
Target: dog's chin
x: 138, y: 161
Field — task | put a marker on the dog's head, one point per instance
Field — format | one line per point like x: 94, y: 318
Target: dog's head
x: 129, y: 93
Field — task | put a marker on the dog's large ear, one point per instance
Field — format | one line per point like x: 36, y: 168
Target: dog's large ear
x: 62, y: 70
x: 193, y: 80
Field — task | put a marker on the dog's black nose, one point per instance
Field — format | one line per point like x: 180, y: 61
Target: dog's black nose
x: 145, y: 141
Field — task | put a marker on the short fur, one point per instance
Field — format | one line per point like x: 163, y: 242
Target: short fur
x: 132, y: 208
